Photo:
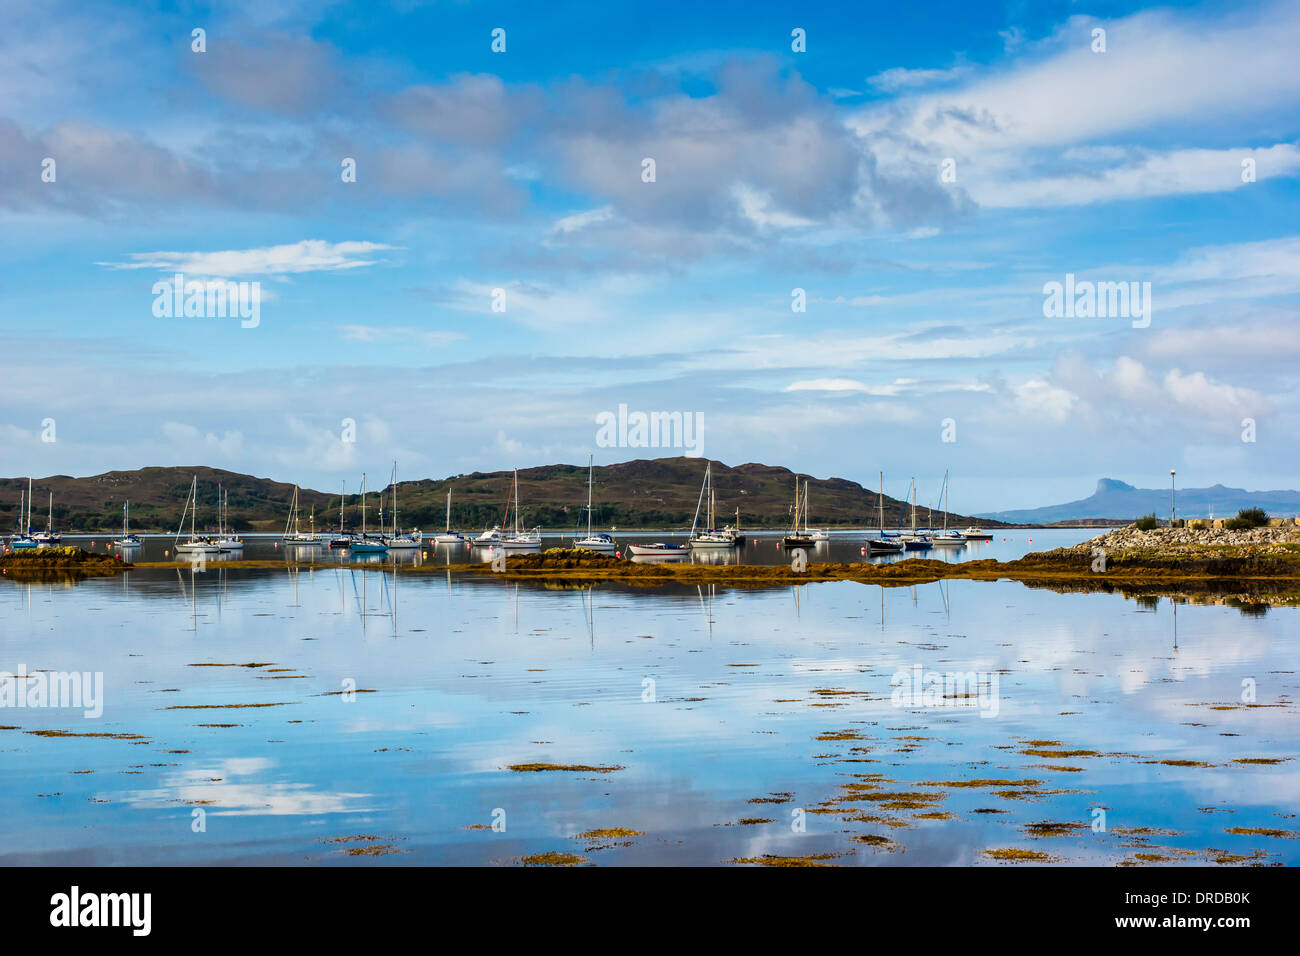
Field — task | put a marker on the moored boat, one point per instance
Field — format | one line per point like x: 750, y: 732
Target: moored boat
x: 365, y: 544
x: 448, y: 536
x: 398, y: 541
x: 709, y: 537
x: 798, y: 538
x: 659, y: 549
x: 594, y: 542
x: 127, y: 540
x: 197, y: 545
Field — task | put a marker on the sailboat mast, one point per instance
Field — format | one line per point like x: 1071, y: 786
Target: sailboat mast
x: 914, y: 504
x: 945, y: 501
x: 881, y: 501
x: 590, y: 460
x: 363, y: 506
x: 449, y: 512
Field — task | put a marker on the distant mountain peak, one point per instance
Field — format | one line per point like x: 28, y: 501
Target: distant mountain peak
x: 1115, y: 499
x: 1112, y: 484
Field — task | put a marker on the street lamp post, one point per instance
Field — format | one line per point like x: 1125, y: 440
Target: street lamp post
x: 1173, y: 504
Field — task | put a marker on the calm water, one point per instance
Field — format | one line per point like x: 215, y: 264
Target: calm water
x: 760, y: 548
x: 707, y: 699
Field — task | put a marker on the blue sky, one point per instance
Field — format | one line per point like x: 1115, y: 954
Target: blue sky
x: 775, y: 170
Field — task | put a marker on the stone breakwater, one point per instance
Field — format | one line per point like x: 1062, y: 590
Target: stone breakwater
x: 1276, y: 540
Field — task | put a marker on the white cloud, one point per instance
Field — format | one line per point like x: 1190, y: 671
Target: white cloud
x: 899, y: 78
x: 308, y: 255
x: 399, y: 333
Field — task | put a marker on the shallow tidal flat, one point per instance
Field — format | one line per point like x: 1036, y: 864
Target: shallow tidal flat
x: 366, y: 717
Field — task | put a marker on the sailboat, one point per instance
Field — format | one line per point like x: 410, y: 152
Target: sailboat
x: 226, y: 541
x: 195, y: 544
x: 299, y: 538
x: 364, y: 544
x: 816, y: 534
x: 398, y: 541
x: 342, y: 540
x: 127, y: 540
x: 797, y: 538
x: 709, y: 537
x: 734, y: 532
x: 520, y: 540
x: 915, y: 540
x: 946, y: 538
x: 448, y: 536
x: 22, y: 536
x: 49, y: 537
x: 885, y: 543
x: 593, y: 542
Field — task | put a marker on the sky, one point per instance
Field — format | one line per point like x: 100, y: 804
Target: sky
x: 841, y: 263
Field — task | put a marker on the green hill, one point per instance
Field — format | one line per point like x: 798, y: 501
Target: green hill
x: 659, y: 493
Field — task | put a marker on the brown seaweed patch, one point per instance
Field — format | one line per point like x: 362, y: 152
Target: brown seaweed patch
x: 608, y: 833
x: 981, y: 782
x: 876, y: 840
x: 1267, y: 761
x: 565, y: 767
x: 1059, y: 754
x: 1017, y: 855
x: 69, y: 733
x: 224, y: 706
x: 1052, y: 829
x: 249, y: 664
x: 1263, y: 831
x: 767, y: 859
x: 553, y: 859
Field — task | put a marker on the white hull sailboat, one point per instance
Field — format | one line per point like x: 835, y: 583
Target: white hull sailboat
x: 48, y: 538
x: 398, y: 541
x: 708, y: 538
x: 946, y: 538
x: 659, y: 549
x: 22, y: 538
x: 127, y: 540
x: 365, y: 544
x: 228, y: 543
x: 299, y: 538
x: 594, y: 542
x: 196, y: 545
x: 520, y: 540
x: 448, y: 536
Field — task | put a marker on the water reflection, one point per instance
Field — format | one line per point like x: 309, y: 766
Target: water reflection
x: 1170, y: 713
